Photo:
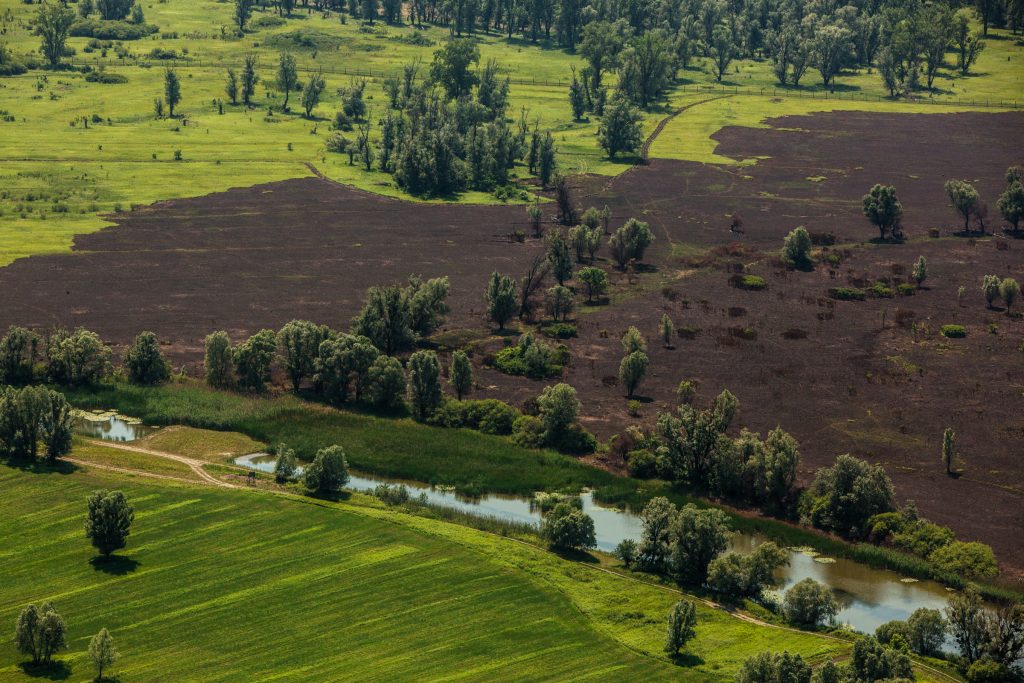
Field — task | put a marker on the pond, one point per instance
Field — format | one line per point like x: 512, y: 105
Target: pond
x: 868, y: 597
x: 109, y: 426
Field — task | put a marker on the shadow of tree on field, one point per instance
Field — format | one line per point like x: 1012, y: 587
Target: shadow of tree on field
x: 54, y: 671
x: 575, y: 555
x: 686, y: 659
x: 40, y: 466
x: 116, y: 565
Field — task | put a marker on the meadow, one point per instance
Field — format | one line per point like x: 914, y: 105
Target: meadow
x: 219, y: 585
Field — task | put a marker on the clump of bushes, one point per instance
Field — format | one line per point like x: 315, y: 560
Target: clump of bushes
x: 489, y: 416
x: 880, y: 290
x: 532, y: 358
x: 846, y: 294
x: 267, y: 21
x: 111, y: 30
x: 556, y: 425
x: 101, y: 75
x: 560, y: 330
x: 953, y: 331
x: 754, y: 283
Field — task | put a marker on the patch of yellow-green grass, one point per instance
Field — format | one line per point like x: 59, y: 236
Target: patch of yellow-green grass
x: 689, y: 136
x: 202, y: 444
x: 91, y: 451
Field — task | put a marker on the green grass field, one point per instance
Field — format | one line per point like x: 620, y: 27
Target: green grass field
x: 224, y: 585
x: 60, y: 180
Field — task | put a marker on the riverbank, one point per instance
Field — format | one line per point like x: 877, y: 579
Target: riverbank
x: 471, y: 462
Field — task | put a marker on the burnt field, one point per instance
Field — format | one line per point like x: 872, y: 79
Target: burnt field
x: 871, y: 377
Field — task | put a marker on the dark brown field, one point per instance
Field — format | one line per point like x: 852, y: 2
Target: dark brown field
x: 873, y: 378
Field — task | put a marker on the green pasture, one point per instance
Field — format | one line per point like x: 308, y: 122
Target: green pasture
x: 225, y: 585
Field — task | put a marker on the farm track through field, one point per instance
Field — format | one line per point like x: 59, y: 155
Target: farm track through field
x: 196, y: 466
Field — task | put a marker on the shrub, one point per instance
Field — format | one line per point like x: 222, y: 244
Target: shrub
x: 880, y: 290
x: 642, y: 464
x: 574, y: 440
x: 846, y: 294
x: 796, y: 248
x: 490, y: 416
x: 532, y: 358
x: 754, y: 283
x: 528, y: 432
x: 560, y: 331
x: 568, y: 528
x: 953, y: 331
x: 906, y: 289
x: 111, y: 30
x: 974, y: 560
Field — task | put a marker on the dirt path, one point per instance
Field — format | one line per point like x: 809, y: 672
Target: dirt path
x: 195, y: 465
x: 128, y: 470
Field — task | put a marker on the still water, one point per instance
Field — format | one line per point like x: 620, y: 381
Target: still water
x: 109, y: 426
x: 868, y: 597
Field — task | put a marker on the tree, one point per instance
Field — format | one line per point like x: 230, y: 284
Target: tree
x: 630, y: 242
x: 681, y: 622
x: 501, y: 299
x: 559, y: 302
x: 452, y: 67
x: 424, y: 384
x: 77, y: 359
x: 808, y: 604
x: 796, y: 249
x: 102, y: 652
x: 231, y: 86
x: 559, y: 257
x: 920, y: 272
x: 1005, y: 643
x: 967, y: 623
x: 218, y: 361
x: 845, y: 496
x: 243, y: 10
x: 568, y: 528
x: 967, y: 45
x: 871, y: 661
x: 386, y: 383
x: 559, y: 410
x: 253, y: 358
x: 342, y: 360
x: 386, y: 320
x: 831, y: 46
x: 990, y: 288
x: 600, y: 44
x: 172, y: 91
x: 722, y: 50
x: 144, y: 362
x: 108, y: 521
x: 653, y: 549
x: 577, y: 98
x: 426, y: 302
x: 300, y: 341
x: 620, y: 129
x: 883, y: 209
x: 666, y: 327
x: 647, y: 67
x: 286, y: 464
x: 688, y: 439
x: 53, y: 24
x: 249, y: 79
x: 287, y: 78
x: 1011, y: 205
x: 1009, y: 289
x: 535, y: 215
x: 532, y: 282
x: 948, y: 449
x: 40, y: 632
x: 772, y: 469
x: 632, y: 340
x: 19, y: 349
x: 964, y: 198
x: 698, y: 536
x: 926, y: 631
x: 56, y: 424
x: 778, y: 667
x: 311, y: 93
x: 546, y: 159
x: 328, y: 472
x: 460, y: 375
x: 632, y: 370
x: 595, y: 280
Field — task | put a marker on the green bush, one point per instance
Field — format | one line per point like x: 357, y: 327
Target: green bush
x: 906, y: 289
x: 532, y: 358
x: 490, y: 416
x: 754, y: 283
x: 267, y: 21
x: 574, y: 440
x: 846, y: 294
x: 528, y: 432
x: 560, y: 330
x: 111, y: 30
x: 975, y: 560
x: 103, y: 76
x: 642, y: 464
x: 953, y: 331
x: 880, y: 290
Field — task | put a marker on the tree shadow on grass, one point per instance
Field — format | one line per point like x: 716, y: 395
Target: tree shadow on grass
x: 116, y: 565
x: 686, y: 659
x: 330, y: 497
x: 40, y: 466
x: 54, y: 671
x: 575, y: 555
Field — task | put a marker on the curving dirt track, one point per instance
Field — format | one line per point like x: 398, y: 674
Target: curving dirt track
x: 830, y: 373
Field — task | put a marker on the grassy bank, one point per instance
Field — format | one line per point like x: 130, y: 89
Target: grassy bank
x: 207, y: 567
